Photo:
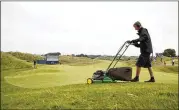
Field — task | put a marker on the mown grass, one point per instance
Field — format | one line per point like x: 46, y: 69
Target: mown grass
x: 64, y: 87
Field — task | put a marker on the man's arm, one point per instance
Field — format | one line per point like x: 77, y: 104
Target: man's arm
x: 136, y: 45
x: 142, y: 38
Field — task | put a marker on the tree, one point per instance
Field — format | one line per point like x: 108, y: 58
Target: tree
x: 169, y: 52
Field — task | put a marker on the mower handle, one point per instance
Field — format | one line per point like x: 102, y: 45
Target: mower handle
x: 129, y: 43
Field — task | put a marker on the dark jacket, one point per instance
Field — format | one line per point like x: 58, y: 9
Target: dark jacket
x: 145, y: 41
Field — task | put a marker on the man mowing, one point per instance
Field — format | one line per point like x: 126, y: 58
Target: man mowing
x: 145, y: 45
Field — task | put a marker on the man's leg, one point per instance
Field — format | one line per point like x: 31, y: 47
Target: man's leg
x: 139, y: 64
x: 151, y: 75
x: 150, y: 71
x: 138, y: 69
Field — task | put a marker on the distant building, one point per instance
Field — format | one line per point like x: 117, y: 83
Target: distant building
x: 50, y: 58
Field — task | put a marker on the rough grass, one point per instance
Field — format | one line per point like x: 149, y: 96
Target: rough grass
x: 77, y: 61
x: 166, y: 69
x: 168, y: 61
x: 157, y: 66
x: 10, y: 62
x: 96, y: 96
x: 25, y: 56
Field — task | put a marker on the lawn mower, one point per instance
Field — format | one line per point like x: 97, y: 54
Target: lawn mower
x: 113, y: 74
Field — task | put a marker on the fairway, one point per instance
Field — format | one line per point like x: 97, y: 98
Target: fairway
x: 57, y: 75
x: 53, y: 75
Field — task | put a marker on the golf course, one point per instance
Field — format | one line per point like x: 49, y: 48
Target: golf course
x: 63, y: 86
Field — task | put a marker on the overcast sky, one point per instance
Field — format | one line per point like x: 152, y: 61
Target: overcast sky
x: 86, y: 27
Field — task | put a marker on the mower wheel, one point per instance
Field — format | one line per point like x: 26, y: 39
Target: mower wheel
x: 89, y: 81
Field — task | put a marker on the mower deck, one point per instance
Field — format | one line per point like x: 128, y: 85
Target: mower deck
x: 105, y: 80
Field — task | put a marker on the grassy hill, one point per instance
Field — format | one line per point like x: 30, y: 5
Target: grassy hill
x: 10, y: 62
x: 25, y: 56
x: 77, y: 61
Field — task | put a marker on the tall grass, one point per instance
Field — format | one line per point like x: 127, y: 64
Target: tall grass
x: 166, y: 69
x: 10, y: 62
x: 25, y: 56
x: 77, y: 61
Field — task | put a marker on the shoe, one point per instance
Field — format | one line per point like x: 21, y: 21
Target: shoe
x: 136, y: 79
x: 151, y: 80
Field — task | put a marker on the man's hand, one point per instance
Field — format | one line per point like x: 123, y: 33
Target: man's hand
x: 129, y: 41
x: 134, y: 41
x: 136, y: 44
